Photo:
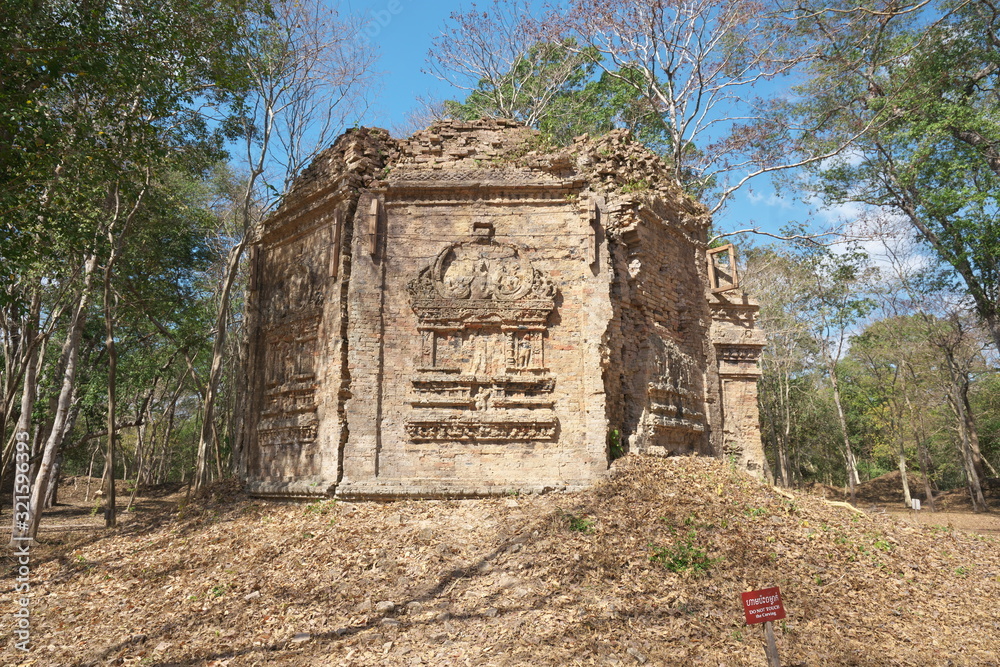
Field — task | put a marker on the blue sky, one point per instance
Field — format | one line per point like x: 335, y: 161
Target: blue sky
x: 403, y: 31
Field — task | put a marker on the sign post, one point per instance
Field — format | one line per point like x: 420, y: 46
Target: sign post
x: 764, y: 606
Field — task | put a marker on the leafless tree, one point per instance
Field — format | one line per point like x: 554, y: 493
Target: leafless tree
x: 702, y: 64
x: 424, y: 113
x: 499, y: 52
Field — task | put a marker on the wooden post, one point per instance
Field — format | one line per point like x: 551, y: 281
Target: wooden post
x: 772, y: 646
x: 765, y: 606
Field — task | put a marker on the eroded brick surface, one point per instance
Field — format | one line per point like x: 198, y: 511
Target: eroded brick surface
x: 471, y: 312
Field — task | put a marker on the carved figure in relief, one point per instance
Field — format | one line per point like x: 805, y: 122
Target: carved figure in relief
x: 480, y: 286
x: 480, y: 355
x: 524, y: 353
x: 673, y: 367
x: 483, y: 398
x: 506, y: 281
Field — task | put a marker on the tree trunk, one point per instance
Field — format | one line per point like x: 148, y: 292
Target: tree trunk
x: 779, y: 479
x: 992, y: 322
x: 973, y: 431
x: 965, y: 445
x: 70, y: 357
x: 786, y: 431
x: 958, y: 398
x: 163, y: 465
x: 206, y: 442
x: 52, y: 492
x: 110, y: 499
x: 849, y: 461
x: 925, y: 463
x: 28, y: 393
x: 907, y: 498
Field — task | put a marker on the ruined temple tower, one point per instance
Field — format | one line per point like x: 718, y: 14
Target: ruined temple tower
x: 470, y: 312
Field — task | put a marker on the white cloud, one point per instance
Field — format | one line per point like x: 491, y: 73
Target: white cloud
x: 886, y: 237
x: 771, y: 199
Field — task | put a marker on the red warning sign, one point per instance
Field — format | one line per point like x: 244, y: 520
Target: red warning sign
x: 763, y: 605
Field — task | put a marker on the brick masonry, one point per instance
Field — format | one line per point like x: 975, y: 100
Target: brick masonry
x: 470, y: 312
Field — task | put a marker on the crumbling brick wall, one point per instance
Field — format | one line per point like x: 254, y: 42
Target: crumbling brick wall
x: 470, y: 312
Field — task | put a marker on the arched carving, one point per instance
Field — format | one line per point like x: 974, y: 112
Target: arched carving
x: 480, y: 283
x: 482, y: 310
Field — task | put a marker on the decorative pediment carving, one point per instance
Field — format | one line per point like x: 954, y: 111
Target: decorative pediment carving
x: 477, y: 282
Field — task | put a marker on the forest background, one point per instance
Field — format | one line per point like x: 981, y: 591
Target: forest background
x: 142, y: 143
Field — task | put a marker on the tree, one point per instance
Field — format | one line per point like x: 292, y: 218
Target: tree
x: 116, y: 93
x: 887, y: 352
x: 501, y: 57
x: 839, y: 301
x: 921, y: 85
x: 309, y: 72
x: 781, y: 284
x: 698, y: 80
x: 704, y: 66
x: 956, y: 342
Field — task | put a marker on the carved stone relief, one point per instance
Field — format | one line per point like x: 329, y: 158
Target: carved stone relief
x: 481, y: 310
x: 293, y: 300
x: 675, y: 406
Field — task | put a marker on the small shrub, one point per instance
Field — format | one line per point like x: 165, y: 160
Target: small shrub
x: 683, y: 556
x: 579, y: 524
x: 320, y: 506
x: 636, y: 186
x: 882, y: 545
x: 615, y: 447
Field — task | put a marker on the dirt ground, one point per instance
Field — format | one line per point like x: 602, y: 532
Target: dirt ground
x: 885, y: 495
x: 983, y: 524
x: 646, y: 568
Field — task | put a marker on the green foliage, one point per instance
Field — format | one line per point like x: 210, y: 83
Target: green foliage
x: 924, y: 83
x: 683, y: 556
x: 93, y: 96
x: 321, y: 507
x: 636, y: 186
x: 616, y: 449
x: 582, y: 102
x: 579, y: 524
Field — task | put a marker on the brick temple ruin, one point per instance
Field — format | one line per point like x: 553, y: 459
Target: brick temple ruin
x: 468, y: 312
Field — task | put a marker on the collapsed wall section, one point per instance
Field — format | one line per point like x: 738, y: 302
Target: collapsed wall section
x: 661, y: 325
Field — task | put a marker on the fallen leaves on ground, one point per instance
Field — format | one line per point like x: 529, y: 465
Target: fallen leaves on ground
x: 645, y: 568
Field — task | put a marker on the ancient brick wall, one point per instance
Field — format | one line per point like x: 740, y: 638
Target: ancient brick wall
x: 299, y: 275
x: 470, y: 312
x: 661, y: 328
x: 738, y: 345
